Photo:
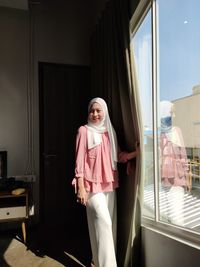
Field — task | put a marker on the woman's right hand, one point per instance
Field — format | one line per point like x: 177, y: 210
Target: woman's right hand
x: 82, y: 195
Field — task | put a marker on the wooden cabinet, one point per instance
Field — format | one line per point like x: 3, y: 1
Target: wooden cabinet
x: 14, y: 207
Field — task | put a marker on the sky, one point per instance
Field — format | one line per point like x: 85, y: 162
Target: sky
x: 179, y: 39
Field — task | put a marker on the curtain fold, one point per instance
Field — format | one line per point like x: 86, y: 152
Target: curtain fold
x: 111, y: 80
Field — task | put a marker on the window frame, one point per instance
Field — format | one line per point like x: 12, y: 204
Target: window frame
x: 180, y: 234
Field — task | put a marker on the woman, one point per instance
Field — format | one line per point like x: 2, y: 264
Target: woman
x: 174, y: 164
x: 96, y: 179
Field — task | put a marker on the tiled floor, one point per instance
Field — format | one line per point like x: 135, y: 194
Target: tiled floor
x: 47, y: 246
x: 191, y: 206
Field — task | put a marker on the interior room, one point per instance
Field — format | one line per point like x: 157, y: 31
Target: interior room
x: 54, y: 57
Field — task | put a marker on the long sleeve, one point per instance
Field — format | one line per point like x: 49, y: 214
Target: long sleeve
x: 80, y: 151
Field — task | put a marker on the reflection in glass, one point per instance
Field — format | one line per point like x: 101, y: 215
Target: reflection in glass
x: 179, y: 83
x: 142, y: 46
x: 174, y: 167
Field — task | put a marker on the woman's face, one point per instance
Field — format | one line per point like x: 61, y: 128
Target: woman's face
x: 96, y: 113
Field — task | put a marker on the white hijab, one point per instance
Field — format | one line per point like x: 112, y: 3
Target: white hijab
x: 174, y: 135
x: 94, y: 133
x: 166, y: 108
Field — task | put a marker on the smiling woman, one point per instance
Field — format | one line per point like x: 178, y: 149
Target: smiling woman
x: 96, y: 178
x: 96, y: 113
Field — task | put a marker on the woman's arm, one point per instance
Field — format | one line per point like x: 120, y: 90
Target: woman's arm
x: 135, y: 153
x: 124, y: 156
x: 80, y: 166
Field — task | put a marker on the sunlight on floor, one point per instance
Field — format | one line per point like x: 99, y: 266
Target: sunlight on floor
x: 75, y: 259
x: 17, y: 255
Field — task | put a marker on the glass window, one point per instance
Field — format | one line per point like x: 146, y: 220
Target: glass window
x: 174, y: 124
x: 142, y: 50
x: 179, y: 112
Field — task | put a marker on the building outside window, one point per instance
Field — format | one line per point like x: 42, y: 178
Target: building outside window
x: 165, y: 45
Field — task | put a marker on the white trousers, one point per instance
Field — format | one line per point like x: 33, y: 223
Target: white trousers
x: 102, y: 225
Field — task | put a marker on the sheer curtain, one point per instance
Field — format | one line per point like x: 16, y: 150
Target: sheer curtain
x: 111, y: 80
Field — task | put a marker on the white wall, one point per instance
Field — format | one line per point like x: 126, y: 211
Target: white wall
x: 13, y: 88
x: 60, y: 33
x: 190, y: 125
x: 161, y: 251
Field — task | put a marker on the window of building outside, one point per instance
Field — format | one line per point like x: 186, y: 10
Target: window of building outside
x: 166, y: 60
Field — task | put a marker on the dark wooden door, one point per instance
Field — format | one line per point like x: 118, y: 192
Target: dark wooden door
x: 64, y: 95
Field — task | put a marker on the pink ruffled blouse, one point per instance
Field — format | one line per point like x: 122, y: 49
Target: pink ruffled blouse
x: 94, y: 164
x: 174, y: 163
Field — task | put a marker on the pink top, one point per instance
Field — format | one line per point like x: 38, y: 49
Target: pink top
x: 94, y: 164
x: 174, y: 163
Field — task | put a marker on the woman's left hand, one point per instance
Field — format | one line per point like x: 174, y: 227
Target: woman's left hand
x: 123, y: 157
x: 126, y: 156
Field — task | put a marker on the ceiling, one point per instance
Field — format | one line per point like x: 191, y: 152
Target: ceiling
x: 19, y: 4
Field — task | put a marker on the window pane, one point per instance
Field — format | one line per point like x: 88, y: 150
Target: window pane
x: 179, y: 112
x: 141, y: 46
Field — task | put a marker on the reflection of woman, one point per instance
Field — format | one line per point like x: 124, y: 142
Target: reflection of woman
x: 174, y: 164
x: 96, y: 178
